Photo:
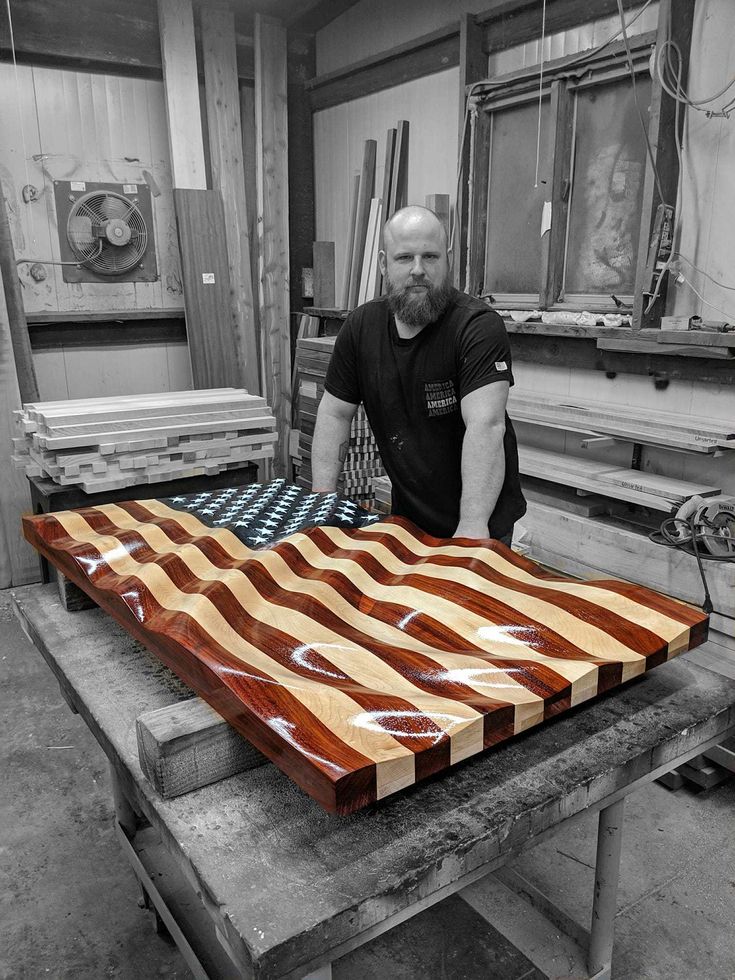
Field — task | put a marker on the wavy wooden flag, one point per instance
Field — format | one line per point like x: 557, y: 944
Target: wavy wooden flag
x: 359, y: 655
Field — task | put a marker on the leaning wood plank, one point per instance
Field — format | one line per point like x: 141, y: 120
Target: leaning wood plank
x: 399, y: 177
x: 367, y: 184
x: 188, y: 745
x: 314, y: 634
x: 271, y: 125
x: 18, y: 564
x: 351, y: 226
x: 200, y: 218
x: 372, y: 227
x: 181, y: 86
x: 228, y: 175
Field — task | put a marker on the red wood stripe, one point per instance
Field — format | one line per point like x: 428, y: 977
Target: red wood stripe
x: 539, y: 678
x: 676, y: 610
x: 635, y: 637
x: 397, y: 716
x: 212, y: 670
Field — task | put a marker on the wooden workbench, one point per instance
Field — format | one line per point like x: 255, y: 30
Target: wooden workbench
x: 287, y: 888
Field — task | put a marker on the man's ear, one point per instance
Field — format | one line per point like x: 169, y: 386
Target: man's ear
x: 382, y: 262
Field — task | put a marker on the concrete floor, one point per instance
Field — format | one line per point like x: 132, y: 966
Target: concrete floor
x: 68, y: 899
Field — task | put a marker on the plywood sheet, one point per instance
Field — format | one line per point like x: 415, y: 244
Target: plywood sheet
x: 360, y: 655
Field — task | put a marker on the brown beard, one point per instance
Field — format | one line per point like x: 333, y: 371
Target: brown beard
x: 417, y: 311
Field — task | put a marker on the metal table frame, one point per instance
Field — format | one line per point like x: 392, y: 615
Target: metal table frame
x: 135, y: 804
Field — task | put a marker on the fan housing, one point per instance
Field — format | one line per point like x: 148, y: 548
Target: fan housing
x: 106, y: 231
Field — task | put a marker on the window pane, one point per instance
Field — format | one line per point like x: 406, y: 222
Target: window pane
x: 605, y: 209
x: 513, y: 255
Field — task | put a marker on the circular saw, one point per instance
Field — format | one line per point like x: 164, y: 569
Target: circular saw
x: 712, y: 519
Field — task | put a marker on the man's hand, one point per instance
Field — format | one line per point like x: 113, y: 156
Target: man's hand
x: 471, y: 529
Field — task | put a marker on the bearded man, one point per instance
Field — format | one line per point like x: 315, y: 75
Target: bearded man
x: 432, y: 367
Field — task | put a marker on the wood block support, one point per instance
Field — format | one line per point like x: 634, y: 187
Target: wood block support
x: 271, y: 125
x: 181, y: 84
x: 228, y: 176
x: 185, y: 746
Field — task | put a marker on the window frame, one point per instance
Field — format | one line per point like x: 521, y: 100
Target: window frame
x: 562, y: 78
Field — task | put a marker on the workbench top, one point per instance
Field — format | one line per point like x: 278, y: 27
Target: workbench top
x: 286, y: 881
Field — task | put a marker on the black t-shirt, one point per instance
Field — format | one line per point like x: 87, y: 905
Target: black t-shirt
x: 412, y: 389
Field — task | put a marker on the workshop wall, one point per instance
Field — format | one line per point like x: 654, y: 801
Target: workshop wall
x: 65, y: 125
x: 707, y: 228
x: 339, y: 134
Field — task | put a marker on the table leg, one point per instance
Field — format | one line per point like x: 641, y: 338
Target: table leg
x: 126, y: 815
x: 609, y: 842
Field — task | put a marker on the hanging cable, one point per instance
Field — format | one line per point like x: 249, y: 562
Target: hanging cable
x: 631, y: 68
x: 540, y: 91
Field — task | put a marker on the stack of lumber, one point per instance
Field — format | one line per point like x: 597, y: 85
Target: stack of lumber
x: 670, y: 429
x: 382, y: 495
x: 368, y: 213
x: 102, y: 444
x: 362, y: 463
x: 645, y: 489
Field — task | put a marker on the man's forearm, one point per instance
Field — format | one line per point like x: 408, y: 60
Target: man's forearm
x: 328, y: 451
x: 483, y: 473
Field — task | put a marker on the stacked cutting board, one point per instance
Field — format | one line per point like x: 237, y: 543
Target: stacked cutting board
x: 363, y: 462
x: 102, y: 444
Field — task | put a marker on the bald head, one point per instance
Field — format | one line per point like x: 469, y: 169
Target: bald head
x: 414, y: 220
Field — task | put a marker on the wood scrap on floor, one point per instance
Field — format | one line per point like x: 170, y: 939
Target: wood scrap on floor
x: 102, y: 444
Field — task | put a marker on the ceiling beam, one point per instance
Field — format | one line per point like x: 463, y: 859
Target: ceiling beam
x: 122, y: 39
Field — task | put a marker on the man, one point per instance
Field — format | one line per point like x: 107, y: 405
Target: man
x: 432, y: 367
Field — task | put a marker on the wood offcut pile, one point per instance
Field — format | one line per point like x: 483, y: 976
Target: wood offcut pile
x: 363, y: 462
x: 102, y: 444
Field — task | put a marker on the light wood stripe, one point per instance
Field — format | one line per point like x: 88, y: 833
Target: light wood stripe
x: 486, y: 679
x: 451, y: 716
x: 335, y: 709
x: 589, y: 638
x: 635, y: 612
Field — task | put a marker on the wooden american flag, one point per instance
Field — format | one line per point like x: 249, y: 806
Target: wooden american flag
x: 359, y: 654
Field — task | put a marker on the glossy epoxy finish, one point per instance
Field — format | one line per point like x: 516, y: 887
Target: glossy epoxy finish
x: 360, y: 660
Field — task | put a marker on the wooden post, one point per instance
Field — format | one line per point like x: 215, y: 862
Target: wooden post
x: 228, y: 176
x: 271, y: 126
x: 181, y: 85
x: 472, y: 68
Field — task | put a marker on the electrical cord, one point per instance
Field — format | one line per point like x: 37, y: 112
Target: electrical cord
x: 667, y: 535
